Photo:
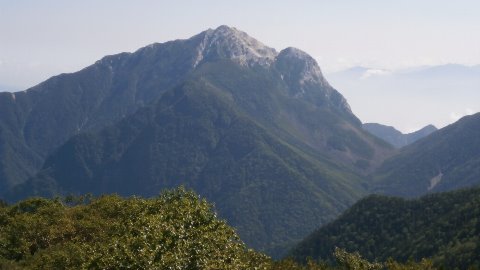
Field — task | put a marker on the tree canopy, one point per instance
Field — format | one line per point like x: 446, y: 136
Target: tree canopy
x: 175, y: 230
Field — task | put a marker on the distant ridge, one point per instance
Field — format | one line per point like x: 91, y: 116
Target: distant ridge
x: 395, y: 137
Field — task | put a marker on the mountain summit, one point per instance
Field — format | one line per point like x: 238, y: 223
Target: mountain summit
x: 228, y: 42
x: 298, y: 69
x: 259, y: 133
x: 303, y: 75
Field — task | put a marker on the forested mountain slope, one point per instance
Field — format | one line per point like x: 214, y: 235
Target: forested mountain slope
x: 444, y: 227
x: 448, y: 159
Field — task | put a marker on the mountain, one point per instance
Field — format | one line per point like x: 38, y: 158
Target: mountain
x: 36, y: 121
x: 444, y: 227
x: 449, y: 159
x: 395, y: 137
x: 260, y: 133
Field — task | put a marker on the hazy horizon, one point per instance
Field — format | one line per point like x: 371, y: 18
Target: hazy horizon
x: 43, y: 39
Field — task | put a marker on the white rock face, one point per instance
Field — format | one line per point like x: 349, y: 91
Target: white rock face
x: 435, y: 180
x: 310, y: 70
x: 228, y: 42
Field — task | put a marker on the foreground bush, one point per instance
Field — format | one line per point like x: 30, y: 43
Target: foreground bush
x: 176, y: 230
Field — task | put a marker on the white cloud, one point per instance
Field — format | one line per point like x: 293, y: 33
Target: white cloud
x: 374, y: 72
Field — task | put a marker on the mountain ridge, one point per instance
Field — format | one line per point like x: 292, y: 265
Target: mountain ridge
x: 395, y: 137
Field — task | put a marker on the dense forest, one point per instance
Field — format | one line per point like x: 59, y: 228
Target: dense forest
x: 444, y: 227
x: 175, y: 230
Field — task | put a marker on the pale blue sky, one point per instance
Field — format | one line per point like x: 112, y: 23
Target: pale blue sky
x: 39, y: 39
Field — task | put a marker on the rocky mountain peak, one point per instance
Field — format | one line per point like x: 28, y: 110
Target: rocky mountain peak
x: 305, y: 80
x: 303, y: 66
x: 231, y: 43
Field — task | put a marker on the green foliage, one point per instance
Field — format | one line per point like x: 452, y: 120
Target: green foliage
x: 424, y: 264
x: 175, y: 230
x: 290, y: 264
x: 353, y: 261
x: 444, y: 227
